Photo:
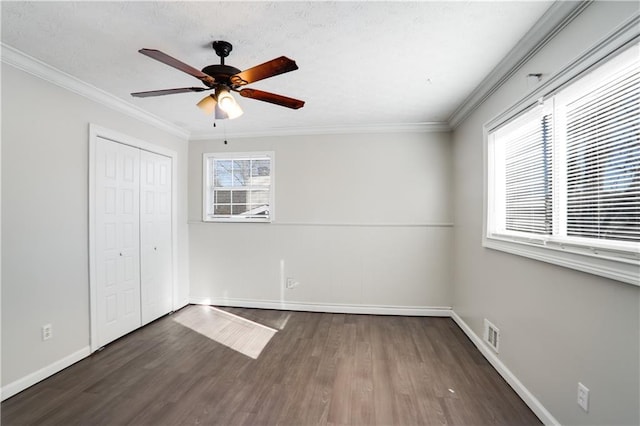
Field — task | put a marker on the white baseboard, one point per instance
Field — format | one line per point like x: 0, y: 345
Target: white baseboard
x: 532, y: 402
x: 21, y: 384
x: 428, y: 311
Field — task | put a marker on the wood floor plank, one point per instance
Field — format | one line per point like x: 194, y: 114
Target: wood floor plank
x: 317, y: 369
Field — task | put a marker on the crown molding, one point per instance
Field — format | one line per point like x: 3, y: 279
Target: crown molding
x: 24, y: 62
x: 557, y: 17
x: 431, y: 127
x: 621, y: 37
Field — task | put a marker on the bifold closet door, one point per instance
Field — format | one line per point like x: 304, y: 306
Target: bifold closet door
x: 117, y: 236
x: 155, y: 236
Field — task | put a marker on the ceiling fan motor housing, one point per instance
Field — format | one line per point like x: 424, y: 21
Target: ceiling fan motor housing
x: 221, y: 73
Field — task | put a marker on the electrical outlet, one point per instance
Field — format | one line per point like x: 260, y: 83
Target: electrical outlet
x: 583, y: 396
x: 47, y: 332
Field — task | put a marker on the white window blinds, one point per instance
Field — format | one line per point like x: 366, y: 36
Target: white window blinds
x: 528, y: 178
x: 603, y: 160
x: 567, y: 171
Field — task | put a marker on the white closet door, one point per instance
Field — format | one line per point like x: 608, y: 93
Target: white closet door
x: 155, y: 236
x: 117, y: 236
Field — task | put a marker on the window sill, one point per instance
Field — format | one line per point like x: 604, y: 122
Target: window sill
x: 599, y: 263
x: 237, y: 220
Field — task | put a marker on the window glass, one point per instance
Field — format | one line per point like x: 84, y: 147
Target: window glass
x: 238, y: 187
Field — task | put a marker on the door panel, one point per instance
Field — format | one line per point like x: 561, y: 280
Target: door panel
x: 155, y: 236
x: 117, y: 224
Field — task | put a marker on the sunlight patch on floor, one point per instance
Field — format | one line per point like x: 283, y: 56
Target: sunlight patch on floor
x: 237, y: 333
x: 283, y: 322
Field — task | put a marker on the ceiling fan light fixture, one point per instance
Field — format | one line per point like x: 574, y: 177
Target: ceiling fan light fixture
x: 220, y: 114
x: 227, y: 103
x: 208, y: 104
x: 234, y: 110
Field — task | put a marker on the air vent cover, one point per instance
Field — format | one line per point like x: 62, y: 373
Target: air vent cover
x: 491, y: 335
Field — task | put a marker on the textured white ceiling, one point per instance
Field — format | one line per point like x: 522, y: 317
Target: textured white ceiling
x: 361, y: 63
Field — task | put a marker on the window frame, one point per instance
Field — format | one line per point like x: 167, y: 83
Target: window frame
x: 207, y: 183
x: 602, y: 258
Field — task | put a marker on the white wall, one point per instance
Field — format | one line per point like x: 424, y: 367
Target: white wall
x: 45, y: 140
x: 358, y: 222
x: 558, y: 326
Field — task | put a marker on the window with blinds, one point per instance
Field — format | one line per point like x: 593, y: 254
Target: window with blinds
x: 566, y: 172
x: 238, y: 187
x: 528, y: 184
x: 603, y: 160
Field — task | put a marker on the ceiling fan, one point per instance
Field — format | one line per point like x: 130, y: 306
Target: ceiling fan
x: 224, y: 79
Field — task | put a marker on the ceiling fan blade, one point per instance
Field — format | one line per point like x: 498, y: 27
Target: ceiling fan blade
x: 268, y: 69
x: 272, y: 98
x: 167, y: 92
x: 173, y: 62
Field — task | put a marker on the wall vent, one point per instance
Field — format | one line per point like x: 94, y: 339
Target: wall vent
x: 491, y: 335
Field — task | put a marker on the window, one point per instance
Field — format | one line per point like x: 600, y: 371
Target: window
x: 564, y: 174
x: 238, y: 187
x: 523, y: 153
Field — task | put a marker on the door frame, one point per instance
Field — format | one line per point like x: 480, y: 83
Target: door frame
x: 96, y: 132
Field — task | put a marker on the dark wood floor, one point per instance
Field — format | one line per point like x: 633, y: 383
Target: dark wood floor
x: 320, y: 369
